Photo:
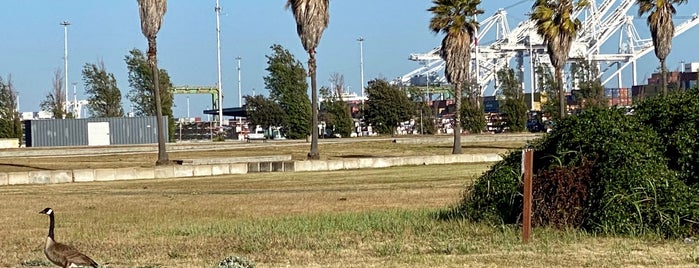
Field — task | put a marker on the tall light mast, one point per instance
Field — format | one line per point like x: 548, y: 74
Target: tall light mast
x: 65, y: 65
x: 361, y: 64
x: 240, y: 96
x: 218, y: 46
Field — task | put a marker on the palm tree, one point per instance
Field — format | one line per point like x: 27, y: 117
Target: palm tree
x: 555, y: 23
x: 662, y: 29
x: 454, y: 18
x: 151, y: 13
x: 311, y: 20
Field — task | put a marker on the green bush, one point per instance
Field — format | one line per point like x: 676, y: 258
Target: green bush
x: 630, y: 188
x: 676, y: 120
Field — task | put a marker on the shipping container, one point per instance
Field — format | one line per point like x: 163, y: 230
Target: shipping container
x: 92, y: 131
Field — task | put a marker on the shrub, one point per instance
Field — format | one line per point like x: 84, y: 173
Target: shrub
x: 630, y: 189
x: 561, y: 194
x: 676, y: 120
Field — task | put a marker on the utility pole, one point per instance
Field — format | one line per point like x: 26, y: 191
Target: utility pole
x: 218, y: 46
x: 240, y: 96
x: 361, y: 65
x: 65, y: 64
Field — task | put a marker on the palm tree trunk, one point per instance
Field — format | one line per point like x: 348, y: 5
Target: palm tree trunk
x: 152, y: 60
x: 561, y: 92
x: 313, y: 154
x: 456, y: 149
x: 664, y: 77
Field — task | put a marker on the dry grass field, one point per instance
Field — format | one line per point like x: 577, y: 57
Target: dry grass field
x: 354, y: 218
x: 357, y: 218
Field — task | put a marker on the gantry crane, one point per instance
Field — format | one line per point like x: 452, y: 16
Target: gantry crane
x: 600, y: 22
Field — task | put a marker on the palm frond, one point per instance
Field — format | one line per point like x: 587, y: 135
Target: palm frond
x: 312, y: 17
x: 151, y: 13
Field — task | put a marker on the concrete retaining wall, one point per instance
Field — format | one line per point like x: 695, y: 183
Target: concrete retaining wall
x: 205, y: 170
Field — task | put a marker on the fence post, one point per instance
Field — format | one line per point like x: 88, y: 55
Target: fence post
x: 527, y: 166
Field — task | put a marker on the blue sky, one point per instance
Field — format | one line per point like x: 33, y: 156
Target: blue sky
x: 32, y: 46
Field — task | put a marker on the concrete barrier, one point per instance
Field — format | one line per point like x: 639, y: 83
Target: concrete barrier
x: 184, y: 171
x: 239, y: 168
x: 144, y: 173
x: 61, y: 176
x: 179, y: 171
x: 335, y: 164
x: 40, y: 177
x: 105, y: 174
x: 83, y: 175
x: 9, y: 143
x: 220, y: 169
x: 164, y: 172
x: 14, y: 178
x: 202, y: 170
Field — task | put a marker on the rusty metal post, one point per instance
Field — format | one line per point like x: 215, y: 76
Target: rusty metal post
x: 527, y: 166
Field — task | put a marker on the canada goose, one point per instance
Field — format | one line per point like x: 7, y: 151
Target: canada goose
x: 61, y: 254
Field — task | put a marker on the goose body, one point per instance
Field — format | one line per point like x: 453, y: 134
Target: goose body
x: 61, y: 254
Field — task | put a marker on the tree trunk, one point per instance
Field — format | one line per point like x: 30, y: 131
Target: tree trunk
x: 456, y: 149
x: 313, y: 154
x: 664, y: 77
x: 152, y: 61
x: 561, y: 92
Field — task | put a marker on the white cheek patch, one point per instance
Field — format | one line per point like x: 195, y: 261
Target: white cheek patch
x: 49, y: 212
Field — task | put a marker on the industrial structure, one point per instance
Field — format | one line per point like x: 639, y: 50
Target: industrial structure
x: 601, y: 22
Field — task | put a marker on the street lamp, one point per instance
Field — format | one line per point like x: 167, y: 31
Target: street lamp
x: 218, y: 46
x: 65, y: 63
x: 361, y: 64
x: 240, y: 96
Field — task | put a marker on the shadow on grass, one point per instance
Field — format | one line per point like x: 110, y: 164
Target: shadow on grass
x: 478, y: 146
x: 23, y: 166
x: 357, y: 156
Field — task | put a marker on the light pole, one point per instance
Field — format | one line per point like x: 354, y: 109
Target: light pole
x: 65, y: 64
x: 240, y: 96
x: 361, y: 64
x: 218, y: 46
x: 188, y: 108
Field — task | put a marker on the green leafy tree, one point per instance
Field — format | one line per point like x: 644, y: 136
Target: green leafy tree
x: 512, y: 107
x: 662, y: 29
x: 151, y: 13
x: 104, y: 97
x: 10, y: 124
x: 263, y: 111
x: 55, y: 102
x: 335, y: 113
x: 455, y: 19
x: 555, y: 23
x: 312, y: 18
x: 472, y: 118
x: 387, y: 106
x: 590, y: 89
x: 141, y: 94
x: 547, y: 86
x: 286, y: 82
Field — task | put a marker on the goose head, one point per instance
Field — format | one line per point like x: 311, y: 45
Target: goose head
x: 47, y: 211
